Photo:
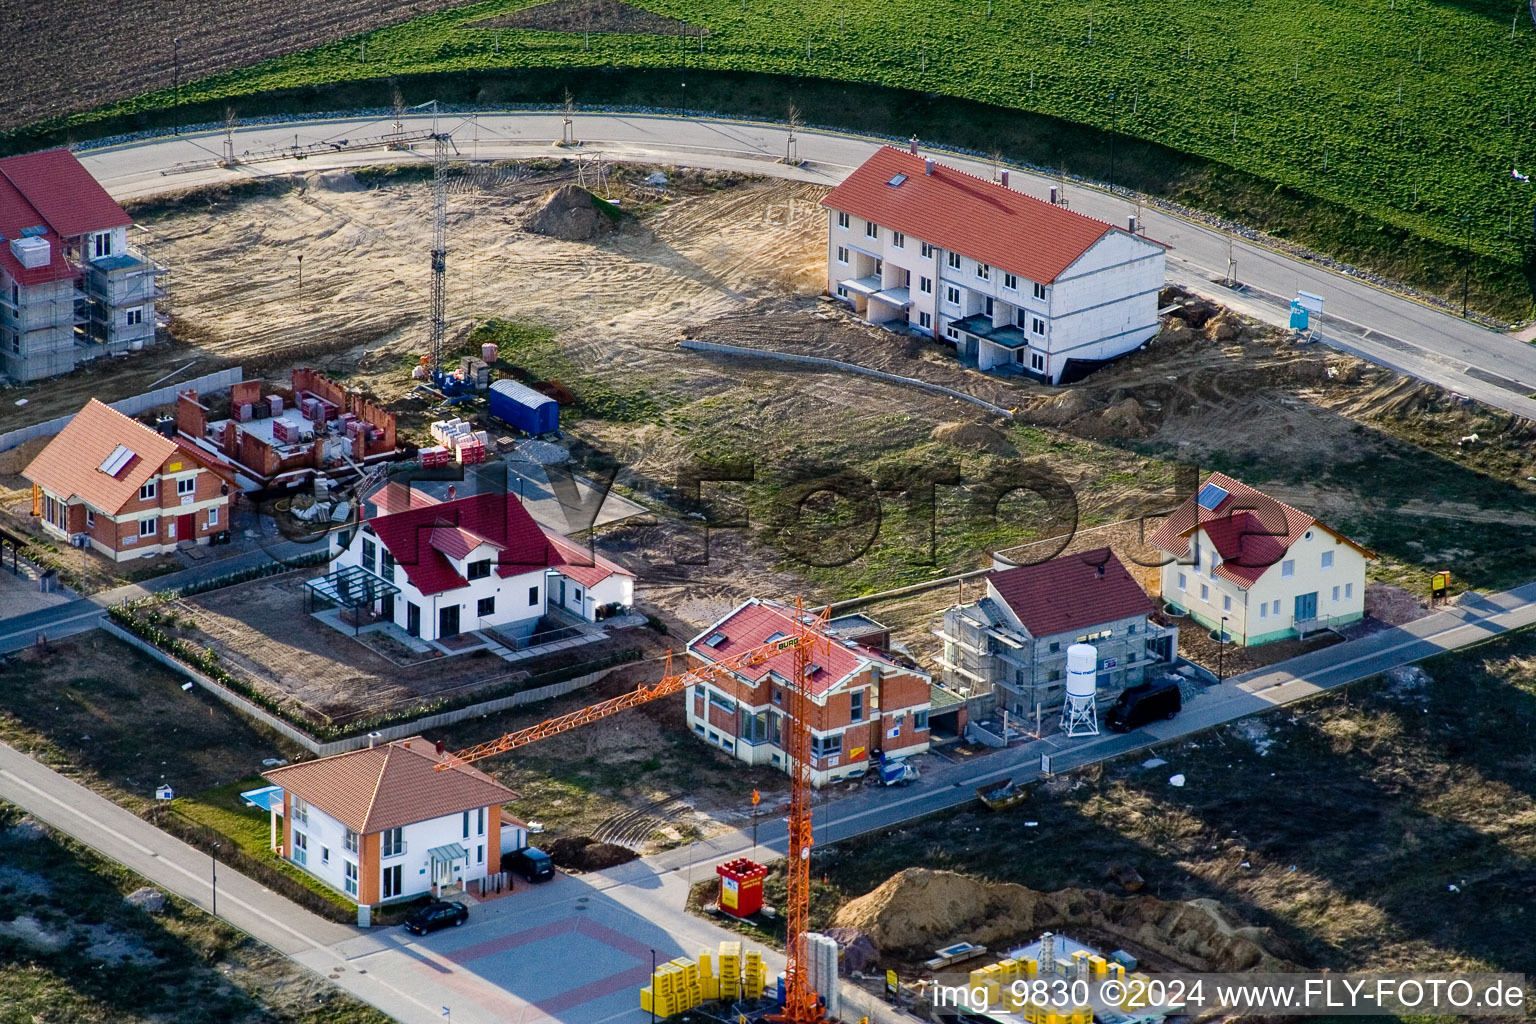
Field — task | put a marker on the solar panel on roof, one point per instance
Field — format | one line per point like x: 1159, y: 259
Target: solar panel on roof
x: 120, y: 457
x: 34, y: 231
x: 1211, y: 495
x: 715, y: 640
x: 896, y: 181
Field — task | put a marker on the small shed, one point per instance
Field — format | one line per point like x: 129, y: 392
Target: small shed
x: 524, y: 408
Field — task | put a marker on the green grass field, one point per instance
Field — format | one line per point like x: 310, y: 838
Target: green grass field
x: 1410, y: 112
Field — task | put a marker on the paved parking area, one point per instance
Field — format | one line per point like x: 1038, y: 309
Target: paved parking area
x: 564, y: 952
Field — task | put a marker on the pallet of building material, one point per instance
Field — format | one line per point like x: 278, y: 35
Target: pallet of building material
x: 243, y: 412
x: 280, y: 431
x: 275, y: 404
x: 468, y: 454
x: 437, y: 455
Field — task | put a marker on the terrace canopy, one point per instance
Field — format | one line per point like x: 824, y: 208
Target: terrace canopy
x: 351, y: 587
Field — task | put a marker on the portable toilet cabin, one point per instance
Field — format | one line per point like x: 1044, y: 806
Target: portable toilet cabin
x: 524, y: 408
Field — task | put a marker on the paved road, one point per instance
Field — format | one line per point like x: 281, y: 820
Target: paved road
x: 1251, y: 693
x: 1378, y: 325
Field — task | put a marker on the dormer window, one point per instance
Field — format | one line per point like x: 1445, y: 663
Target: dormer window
x: 715, y: 640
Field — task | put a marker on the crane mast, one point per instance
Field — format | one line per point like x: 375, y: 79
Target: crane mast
x: 800, y: 1002
x: 439, y: 314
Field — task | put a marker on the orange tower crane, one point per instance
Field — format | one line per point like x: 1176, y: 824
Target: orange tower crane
x: 800, y: 1003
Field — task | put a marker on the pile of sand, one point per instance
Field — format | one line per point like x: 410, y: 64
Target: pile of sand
x: 14, y: 460
x: 572, y: 214
x: 979, y: 436
x: 920, y: 910
x: 333, y: 181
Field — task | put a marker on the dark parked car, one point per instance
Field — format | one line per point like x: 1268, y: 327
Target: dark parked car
x: 435, y: 915
x: 532, y: 863
x: 1143, y: 703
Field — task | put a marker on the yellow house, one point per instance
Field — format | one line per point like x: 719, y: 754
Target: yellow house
x: 1256, y: 567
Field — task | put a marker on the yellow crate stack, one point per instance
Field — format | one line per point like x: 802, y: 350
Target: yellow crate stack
x: 709, y: 982
x: 692, y: 992
x: 730, y: 970
x: 1138, y: 999
x: 756, y: 975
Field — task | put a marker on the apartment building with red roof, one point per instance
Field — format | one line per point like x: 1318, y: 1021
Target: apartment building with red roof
x: 1012, y: 642
x: 384, y: 824
x: 864, y: 701
x: 108, y: 481
x: 1257, y: 568
x: 71, y: 286
x: 440, y: 568
x: 1016, y: 284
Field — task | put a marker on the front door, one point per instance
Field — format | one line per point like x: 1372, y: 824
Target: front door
x: 387, y: 608
x: 412, y: 619
x: 1306, y: 606
x: 448, y: 622
x: 185, y: 530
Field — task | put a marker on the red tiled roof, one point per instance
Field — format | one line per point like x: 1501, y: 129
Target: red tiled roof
x: 1070, y: 593
x: 70, y: 467
x: 16, y: 215
x: 390, y: 786
x: 962, y: 213
x: 574, y: 559
x: 1250, y: 530
x: 397, y: 497
x: 753, y: 623
x: 498, y: 518
x: 60, y: 188
x: 457, y: 542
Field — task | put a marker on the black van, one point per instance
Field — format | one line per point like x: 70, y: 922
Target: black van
x: 532, y: 863
x: 1143, y: 703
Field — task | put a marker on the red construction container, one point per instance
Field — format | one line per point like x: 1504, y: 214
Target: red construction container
x: 741, y: 886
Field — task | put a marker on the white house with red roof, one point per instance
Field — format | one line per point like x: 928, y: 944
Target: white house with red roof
x: 1012, y: 642
x: 863, y: 701
x: 384, y: 824
x: 1252, y: 565
x: 1015, y: 283
x: 109, y: 481
x: 71, y: 286
x: 441, y: 568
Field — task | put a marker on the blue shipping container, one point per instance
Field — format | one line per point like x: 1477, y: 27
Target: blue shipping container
x: 524, y: 408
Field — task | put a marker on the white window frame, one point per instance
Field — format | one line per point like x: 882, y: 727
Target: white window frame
x: 1183, y: 582
x: 135, y: 316
x: 1039, y: 291
x: 186, y: 485
x: 1264, y: 610
x: 925, y: 250
x: 925, y: 320
x: 147, y: 490
x: 1037, y: 327
x: 349, y: 875
x: 301, y: 849
x: 1205, y: 592
x: 898, y: 240
x: 925, y: 285
x: 1327, y: 559
x: 1335, y: 593
x: 1349, y: 591
x: 213, y: 515
x: 842, y: 255
x: 952, y: 295
x: 152, y: 524
x: 984, y: 271
x: 954, y: 261
x: 1287, y: 568
x: 843, y: 220
x: 1011, y: 282
x: 871, y: 230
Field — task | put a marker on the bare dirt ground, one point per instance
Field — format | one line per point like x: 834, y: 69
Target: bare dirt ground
x: 214, y: 37
x: 261, y: 630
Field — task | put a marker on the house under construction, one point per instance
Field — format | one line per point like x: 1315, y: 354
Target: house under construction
x: 277, y: 436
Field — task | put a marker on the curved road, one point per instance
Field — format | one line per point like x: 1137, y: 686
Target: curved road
x: 1381, y: 326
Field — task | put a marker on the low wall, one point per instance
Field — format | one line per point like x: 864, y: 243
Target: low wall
x: 393, y: 732
x: 128, y: 406
x: 838, y: 364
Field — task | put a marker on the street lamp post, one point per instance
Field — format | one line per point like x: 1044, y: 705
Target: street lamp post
x: 1221, y: 651
x: 653, y: 986
x: 215, y: 867
x: 1114, y: 125
x: 176, y: 80
x: 1466, y: 259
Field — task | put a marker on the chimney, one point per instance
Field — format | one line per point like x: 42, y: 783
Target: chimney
x: 407, y: 744
x: 1130, y: 224
x: 1004, y: 177
x: 928, y: 166
x: 441, y: 748
x: 914, y: 145
x: 1053, y: 195
x: 373, y: 739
